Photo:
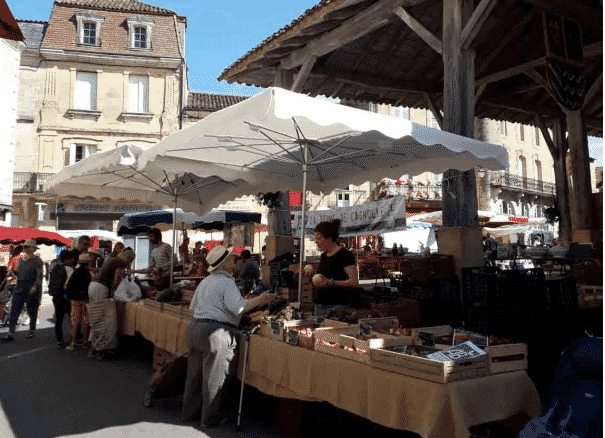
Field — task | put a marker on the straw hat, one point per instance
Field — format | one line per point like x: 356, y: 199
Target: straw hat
x: 217, y: 256
x: 31, y: 243
x: 85, y: 258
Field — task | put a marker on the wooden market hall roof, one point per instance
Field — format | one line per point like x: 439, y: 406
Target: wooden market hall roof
x: 366, y: 50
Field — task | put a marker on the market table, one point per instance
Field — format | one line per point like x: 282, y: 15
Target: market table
x: 390, y: 399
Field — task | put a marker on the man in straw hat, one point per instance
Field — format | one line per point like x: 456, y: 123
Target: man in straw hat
x: 28, y: 290
x: 211, y: 339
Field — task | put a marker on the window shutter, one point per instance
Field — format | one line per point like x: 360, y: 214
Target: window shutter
x: 72, y: 154
x: 85, y: 96
x: 138, y: 94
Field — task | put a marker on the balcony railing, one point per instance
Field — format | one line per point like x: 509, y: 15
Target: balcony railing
x: 519, y: 183
x: 29, y: 182
x: 415, y: 191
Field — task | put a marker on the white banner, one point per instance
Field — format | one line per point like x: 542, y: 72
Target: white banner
x: 358, y: 220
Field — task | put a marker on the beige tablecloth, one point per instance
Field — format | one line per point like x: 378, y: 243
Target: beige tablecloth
x: 393, y: 400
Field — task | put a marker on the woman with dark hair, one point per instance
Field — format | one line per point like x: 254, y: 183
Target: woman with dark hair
x: 337, y: 277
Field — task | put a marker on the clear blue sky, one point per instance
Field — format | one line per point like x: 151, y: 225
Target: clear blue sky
x: 218, y: 35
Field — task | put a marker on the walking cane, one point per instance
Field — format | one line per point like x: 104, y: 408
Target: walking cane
x: 247, y: 334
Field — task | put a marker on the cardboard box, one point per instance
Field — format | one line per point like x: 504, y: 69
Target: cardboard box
x: 464, y: 244
x: 265, y: 275
x: 278, y: 245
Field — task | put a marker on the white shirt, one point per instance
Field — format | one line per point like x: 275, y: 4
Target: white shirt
x: 161, y: 257
x: 218, y: 298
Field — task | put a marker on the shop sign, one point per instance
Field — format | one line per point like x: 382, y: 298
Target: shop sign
x: 131, y: 208
x: 359, y: 220
x: 91, y: 208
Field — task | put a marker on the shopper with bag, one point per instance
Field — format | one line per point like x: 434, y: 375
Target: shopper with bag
x: 28, y: 290
x: 102, y: 307
x: 77, y: 291
x: 211, y: 340
x: 56, y: 289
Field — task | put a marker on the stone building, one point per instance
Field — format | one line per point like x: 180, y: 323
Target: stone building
x: 10, y: 56
x: 97, y: 75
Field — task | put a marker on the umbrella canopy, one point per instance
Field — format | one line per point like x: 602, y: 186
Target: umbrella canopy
x: 17, y: 235
x: 219, y: 220
x: 114, y: 175
x: 135, y: 223
x: 261, y: 139
x: 280, y: 140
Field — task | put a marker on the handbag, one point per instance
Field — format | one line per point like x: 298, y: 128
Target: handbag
x: 128, y: 291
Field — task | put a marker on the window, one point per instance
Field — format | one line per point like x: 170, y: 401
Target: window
x: 85, y: 95
x: 139, y: 32
x: 89, y: 29
x: 138, y: 94
x: 431, y: 120
x: 520, y: 132
x: 77, y: 152
x: 525, y: 209
x: 537, y: 136
x: 343, y: 200
x: 140, y: 37
x: 90, y: 33
x: 401, y: 112
x: 503, y: 130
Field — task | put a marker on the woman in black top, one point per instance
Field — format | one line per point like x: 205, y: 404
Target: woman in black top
x: 337, y: 278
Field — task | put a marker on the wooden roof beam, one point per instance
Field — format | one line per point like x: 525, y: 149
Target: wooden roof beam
x: 365, y: 22
x: 510, y: 72
x: 474, y: 23
x: 419, y: 29
x: 363, y: 80
x: 303, y: 74
x: 593, y: 50
x: 432, y: 104
x: 546, y: 134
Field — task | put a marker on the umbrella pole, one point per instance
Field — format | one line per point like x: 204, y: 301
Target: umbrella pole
x: 173, y: 242
x: 303, y: 226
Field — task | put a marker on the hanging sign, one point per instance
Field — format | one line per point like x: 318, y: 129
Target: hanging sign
x: 358, y: 220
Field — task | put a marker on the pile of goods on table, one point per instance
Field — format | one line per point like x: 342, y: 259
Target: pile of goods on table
x: 440, y: 354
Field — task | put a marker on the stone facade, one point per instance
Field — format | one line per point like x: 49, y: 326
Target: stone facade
x: 94, y: 77
x: 10, y: 55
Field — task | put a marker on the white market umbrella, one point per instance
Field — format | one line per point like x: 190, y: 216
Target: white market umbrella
x: 115, y: 174
x: 280, y: 140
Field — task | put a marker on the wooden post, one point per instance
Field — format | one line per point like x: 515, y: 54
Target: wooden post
x: 458, y: 110
x: 562, y: 186
x: 283, y: 78
x: 580, y: 169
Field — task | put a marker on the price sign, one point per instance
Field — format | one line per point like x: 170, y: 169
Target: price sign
x: 459, y: 353
x: 275, y: 328
x: 403, y: 349
x: 292, y: 337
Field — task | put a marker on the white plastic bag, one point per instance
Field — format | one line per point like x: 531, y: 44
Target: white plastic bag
x: 128, y: 290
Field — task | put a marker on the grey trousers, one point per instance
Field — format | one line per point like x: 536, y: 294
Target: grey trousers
x: 210, y: 370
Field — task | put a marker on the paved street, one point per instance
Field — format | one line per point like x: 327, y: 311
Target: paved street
x: 51, y: 392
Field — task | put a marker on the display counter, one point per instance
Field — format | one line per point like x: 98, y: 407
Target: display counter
x: 397, y: 401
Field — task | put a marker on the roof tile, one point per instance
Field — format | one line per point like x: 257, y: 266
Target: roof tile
x: 119, y: 5
x: 33, y: 31
x: 211, y: 102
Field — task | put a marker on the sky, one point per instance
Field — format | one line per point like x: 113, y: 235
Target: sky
x: 218, y: 35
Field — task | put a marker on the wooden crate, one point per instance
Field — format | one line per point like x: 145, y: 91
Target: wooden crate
x: 507, y: 358
x: 440, y: 330
x: 428, y: 369
x: 590, y: 297
x: 381, y: 323
x: 342, y: 342
x: 280, y: 330
x: 307, y: 336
